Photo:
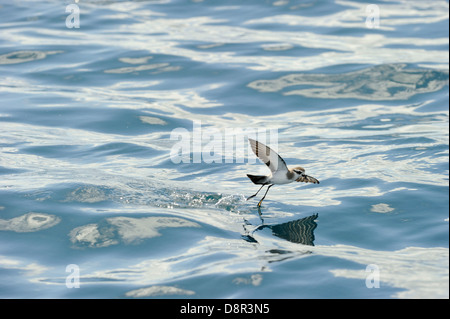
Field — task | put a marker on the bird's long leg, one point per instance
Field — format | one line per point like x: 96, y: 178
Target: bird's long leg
x: 259, y: 204
x: 256, y: 192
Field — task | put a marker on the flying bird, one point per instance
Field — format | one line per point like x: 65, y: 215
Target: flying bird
x: 280, y: 173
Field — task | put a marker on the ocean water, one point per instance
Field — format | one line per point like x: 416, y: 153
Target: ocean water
x: 97, y: 202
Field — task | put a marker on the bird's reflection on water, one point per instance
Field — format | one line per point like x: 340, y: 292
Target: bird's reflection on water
x: 299, y: 231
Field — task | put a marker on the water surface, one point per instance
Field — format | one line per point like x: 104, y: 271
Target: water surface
x: 87, y: 177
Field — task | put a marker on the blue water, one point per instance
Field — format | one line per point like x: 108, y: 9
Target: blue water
x: 90, y: 194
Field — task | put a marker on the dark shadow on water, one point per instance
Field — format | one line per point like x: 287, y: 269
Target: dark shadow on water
x: 299, y: 231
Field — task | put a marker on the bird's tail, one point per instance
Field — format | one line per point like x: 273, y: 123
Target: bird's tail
x: 257, y: 179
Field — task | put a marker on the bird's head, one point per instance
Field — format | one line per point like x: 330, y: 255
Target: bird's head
x: 299, y: 170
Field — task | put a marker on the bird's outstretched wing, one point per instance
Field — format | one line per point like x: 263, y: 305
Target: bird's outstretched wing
x: 268, y: 156
x: 307, y: 179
